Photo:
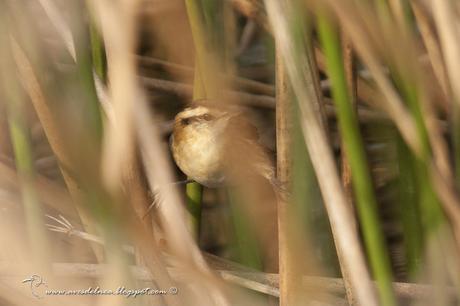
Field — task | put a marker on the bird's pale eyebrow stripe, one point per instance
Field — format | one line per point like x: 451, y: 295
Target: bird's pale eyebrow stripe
x: 197, y: 117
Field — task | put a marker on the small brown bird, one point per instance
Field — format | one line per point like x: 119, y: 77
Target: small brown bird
x: 210, y: 144
x: 213, y: 147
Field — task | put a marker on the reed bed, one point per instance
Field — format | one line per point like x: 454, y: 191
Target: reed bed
x: 351, y: 107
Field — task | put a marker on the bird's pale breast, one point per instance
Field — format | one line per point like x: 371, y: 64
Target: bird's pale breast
x: 198, y: 154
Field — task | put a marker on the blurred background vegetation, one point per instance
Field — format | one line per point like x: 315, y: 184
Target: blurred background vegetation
x: 356, y: 101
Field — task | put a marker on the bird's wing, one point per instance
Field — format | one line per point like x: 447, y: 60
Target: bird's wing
x: 244, y: 148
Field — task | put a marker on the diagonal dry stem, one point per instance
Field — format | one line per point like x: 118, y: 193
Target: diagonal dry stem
x: 340, y: 217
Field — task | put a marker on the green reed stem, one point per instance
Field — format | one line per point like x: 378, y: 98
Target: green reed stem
x: 194, y: 194
x: 248, y: 252
x: 194, y: 191
x: 430, y: 208
x: 409, y: 211
x: 203, y: 57
x: 84, y: 58
x: 98, y: 52
x: 426, y: 215
x: 361, y: 178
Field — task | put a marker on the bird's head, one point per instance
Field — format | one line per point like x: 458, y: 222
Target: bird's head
x: 200, y: 117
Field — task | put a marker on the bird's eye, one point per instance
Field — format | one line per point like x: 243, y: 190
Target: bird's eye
x: 207, y: 117
x: 185, y: 121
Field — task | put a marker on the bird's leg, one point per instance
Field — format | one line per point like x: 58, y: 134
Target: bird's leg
x: 182, y: 182
x: 155, y: 202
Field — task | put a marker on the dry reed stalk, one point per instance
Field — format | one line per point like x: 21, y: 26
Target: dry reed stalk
x: 60, y: 25
x: 120, y: 45
x: 350, y: 71
x: 153, y: 262
x: 366, y: 93
x: 268, y: 283
x: 440, y: 166
x: 350, y: 74
x: 177, y: 69
x: 170, y: 210
x: 136, y: 191
x: 393, y: 104
x: 431, y: 45
x: 185, y: 90
x: 131, y: 176
x: 50, y: 194
x: 397, y: 8
x: 449, y: 35
x: 399, y: 114
x: 346, y: 238
x: 445, y: 20
x: 54, y: 134
x: 253, y: 9
x: 118, y: 26
x: 289, y: 274
x: 157, y: 170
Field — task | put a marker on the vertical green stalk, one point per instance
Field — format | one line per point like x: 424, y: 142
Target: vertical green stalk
x: 432, y: 215
x: 362, y: 181
x: 455, y: 126
x: 84, y: 58
x: 248, y: 252
x: 426, y: 216
x: 194, y: 194
x: 203, y: 57
x: 194, y: 191
x: 98, y: 52
x: 207, y: 24
x: 409, y: 210
x: 413, y: 189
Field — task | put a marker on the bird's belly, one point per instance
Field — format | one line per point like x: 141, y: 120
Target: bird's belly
x: 201, y: 161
